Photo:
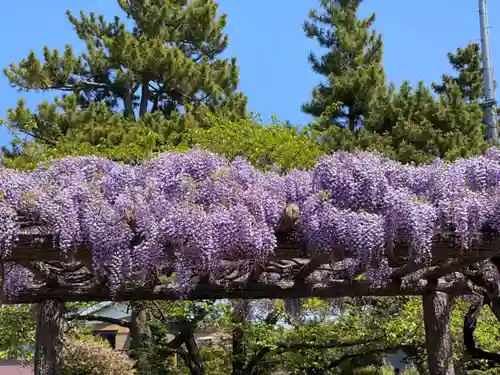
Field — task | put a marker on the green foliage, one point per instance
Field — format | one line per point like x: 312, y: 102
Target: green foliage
x: 265, y: 146
x: 407, y: 124
x: 117, y: 142
x: 488, y: 331
x: 65, y: 121
x: 422, y: 128
x: 172, y: 317
x: 17, y: 331
x: 352, y: 66
x: 364, y: 330
x: 313, y: 341
x: 493, y: 371
x: 374, y: 370
x: 407, y: 327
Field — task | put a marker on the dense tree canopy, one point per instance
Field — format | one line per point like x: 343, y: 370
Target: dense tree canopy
x: 163, y: 71
x: 278, y: 146
x: 466, y: 62
x: 423, y: 124
x: 419, y: 124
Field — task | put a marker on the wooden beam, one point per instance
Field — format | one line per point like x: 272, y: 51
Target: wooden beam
x: 255, y: 273
x: 331, y: 289
x: 313, y: 265
x: 453, y: 265
x: 38, y: 245
x: 438, y: 267
x: 32, y: 247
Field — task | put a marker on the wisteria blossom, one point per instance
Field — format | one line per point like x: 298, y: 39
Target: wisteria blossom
x: 197, y: 209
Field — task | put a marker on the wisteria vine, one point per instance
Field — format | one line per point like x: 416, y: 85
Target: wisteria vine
x: 197, y: 209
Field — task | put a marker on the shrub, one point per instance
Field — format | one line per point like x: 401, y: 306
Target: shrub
x: 92, y: 356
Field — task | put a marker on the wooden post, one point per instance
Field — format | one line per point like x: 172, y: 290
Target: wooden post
x: 140, y: 333
x: 49, y: 338
x: 437, y: 310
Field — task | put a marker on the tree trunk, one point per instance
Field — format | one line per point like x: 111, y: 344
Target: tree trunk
x: 140, y: 334
x: 195, y: 360
x: 437, y: 309
x: 145, y: 98
x: 238, y: 337
x: 49, y: 338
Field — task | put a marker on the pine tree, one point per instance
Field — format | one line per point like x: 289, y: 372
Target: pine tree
x: 418, y: 124
x: 352, y: 66
x: 163, y: 74
x: 466, y: 62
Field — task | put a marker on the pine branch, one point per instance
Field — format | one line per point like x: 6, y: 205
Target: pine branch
x: 40, y: 137
x: 79, y: 86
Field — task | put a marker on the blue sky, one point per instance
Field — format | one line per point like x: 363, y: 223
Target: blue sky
x: 267, y: 39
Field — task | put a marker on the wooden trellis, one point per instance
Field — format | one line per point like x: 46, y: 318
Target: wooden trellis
x: 292, y: 272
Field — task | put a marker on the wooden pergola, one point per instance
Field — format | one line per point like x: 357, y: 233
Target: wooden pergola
x: 292, y: 272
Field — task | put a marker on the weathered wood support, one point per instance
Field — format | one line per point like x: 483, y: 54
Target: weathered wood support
x: 34, y: 246
x: 437, y: 310
x: 49, y: 338
x: 332, y: 289
x: 140, y: 333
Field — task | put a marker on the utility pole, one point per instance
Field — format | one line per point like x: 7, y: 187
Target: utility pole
x: 489, y: 105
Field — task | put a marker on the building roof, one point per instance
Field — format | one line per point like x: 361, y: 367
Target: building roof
x: 96, y: 308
